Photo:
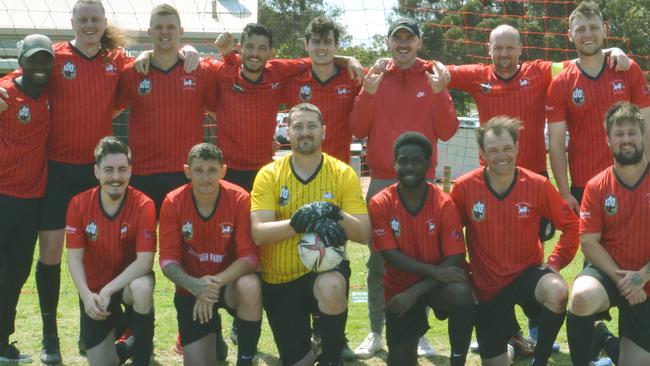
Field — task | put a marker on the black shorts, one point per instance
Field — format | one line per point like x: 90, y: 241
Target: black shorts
x: 633, y: 321
x: 495, y: 318
x: 64, y: 181
x: 242, y: 178
x: 191, y: 331
x: 412, y: 325
x: 95, y: 331
x: 288, y: 308
x: 156, y: 186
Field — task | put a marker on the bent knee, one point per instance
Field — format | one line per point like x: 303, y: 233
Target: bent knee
x: 249, y: 287
x: 142, y: 286
x: 329, y: 290
x: 555, y: 293
x: 583, y: 302
x: 459, y: 293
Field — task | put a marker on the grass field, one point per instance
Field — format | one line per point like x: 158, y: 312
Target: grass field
x: 28, y: 323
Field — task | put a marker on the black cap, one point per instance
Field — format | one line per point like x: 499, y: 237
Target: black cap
x: 403, y: 23
x: 34, y: 43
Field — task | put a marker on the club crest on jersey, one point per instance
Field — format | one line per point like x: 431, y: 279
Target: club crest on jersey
x: 283, y: 197
x: 578, y: 96
x: 237, y: 88
x: 523, y: 210
x: 275, y: 85
x: 611, y: 205
x: 478, y: 211
x: 188, y: 82
x: 486, y: 87
x: 124, y: 230
x: 145, y: 87
x: 69, y: 70
x: 305, y: 93
x: 394, y: 225
x: 187, y: 232
x: 523, y: 82
x: 226, y: 229
x: 431, y: 226
x: 618, y: 87
x: 457, y: 235
x: 91, y: 231
x: 328, y: 195
x: 110, y: 69
x: 24, y: 115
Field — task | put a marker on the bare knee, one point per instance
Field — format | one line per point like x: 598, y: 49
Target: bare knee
x: 458, y: 293
x: 553, y: 293
x: 329, y: 290
x: 141, y: 291
x: 587, y: 297
x: 582, y: 303
x: 248, y: 299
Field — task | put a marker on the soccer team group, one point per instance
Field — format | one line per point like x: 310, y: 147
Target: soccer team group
x: 227, y: 220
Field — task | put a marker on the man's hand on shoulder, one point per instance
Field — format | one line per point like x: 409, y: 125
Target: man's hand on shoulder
x: 225, y: 43
x: 3, y: 103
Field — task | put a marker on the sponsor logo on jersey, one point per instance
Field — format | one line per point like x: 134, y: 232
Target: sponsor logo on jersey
x: 378, y: 232
x: 305, y: 93
x: 486, y: 87
x: 237, y: 88
x: 328, y: 195
x: 578, y: 96
x: 395, y: 227
x: 457, y: 235
x: 188, y: 83
x: 91, y: 231
x: 523, y: 82
x: 70, y: 229
x: 523, y: 210
x: 145, y: 87
x: 24, y: 115
x: 187, y: 232
x: 124, y: 230
x: 478, y: 211
x: 431, y: 226
x: 585, y: 214
x: 618, y: 87
x: 226, y: 229
x: 611, y: 205
x: 283, y: 197
x: 69, y: 70
x: 420, y: 94
x: 149, y: 234
x: 342, y: 91
x: 110, y: 69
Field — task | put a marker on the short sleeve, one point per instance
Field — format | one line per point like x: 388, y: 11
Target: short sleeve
x: 146, y: 232
x: 74, y: 229
x: 451, y: 233
x: 382, y: 235
x: 352, y: 201
x: 170, y: 237
x: 263, y: 196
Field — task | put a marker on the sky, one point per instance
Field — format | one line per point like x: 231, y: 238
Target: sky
x: 364, y: 18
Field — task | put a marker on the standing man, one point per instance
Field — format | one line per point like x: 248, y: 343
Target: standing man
x: 306, y: 191
x: 501, y: 206
x: 578, y: 99
x: 167, y: 108
x: 326, y: 86
x: 418, y: 231
x: 111, y: 240
x: 407, y: 96
x: 25, y: 125
x: 207, y: 250
x: 614, y: 227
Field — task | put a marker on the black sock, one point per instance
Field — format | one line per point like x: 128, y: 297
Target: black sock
x: 460, y: 325
x: 332, y: 330
x: 549, y: 325
x: 612, y: 348
x: 142, y: 326
x: 48, y: 283
x: 248, y: 334
x: 580, y: 334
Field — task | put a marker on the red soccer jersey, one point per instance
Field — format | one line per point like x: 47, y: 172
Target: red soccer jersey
x: 502, y: 230
x: 23, y: 134
x: 247, y: 110
x: 522, y: 96
x: 110, y: 243
x: 82, y: 91
x: 430, y: 235
x: 205, y: 246
x: 167, y: 113
x: 335, y: 98
x: 621, y: 214
x: 582, y: 102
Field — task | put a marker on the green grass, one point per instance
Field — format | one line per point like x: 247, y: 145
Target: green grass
x: 28, y: 322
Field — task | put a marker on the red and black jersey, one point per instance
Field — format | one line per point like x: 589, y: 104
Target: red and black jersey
x: 429, y: 235
x: 205, y: 245
x: 82, y: 91
x: 502, y: 230
x: 621, y: 214
x: 110, y: 243
x: 522, y: 96
x: 23, y: 134
x: 247, y: 110
x: 335, y: 99
x: 582, y: 101
x: 167, y: 114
